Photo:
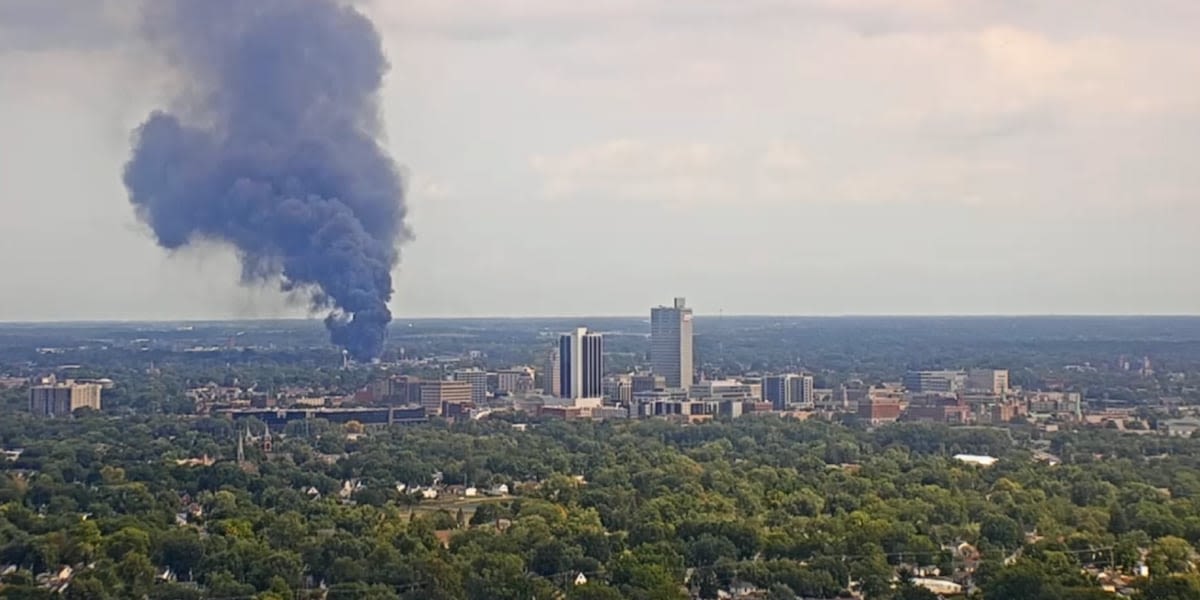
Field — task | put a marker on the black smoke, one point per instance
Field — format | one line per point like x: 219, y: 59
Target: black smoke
x: 272, y: 145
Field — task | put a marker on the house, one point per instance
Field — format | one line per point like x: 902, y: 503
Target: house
x: 580, y: 579
x: 471, y: 492
x: 429, y: 494
x: 57, y: 581
x: 500, y: 525
x: 739, y: 590
x: 968, y: 556
x: 499, y: 490
x: 203, y: 461
x: 350, y: 487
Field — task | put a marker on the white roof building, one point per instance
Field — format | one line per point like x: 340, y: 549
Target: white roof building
x: 976, y: 459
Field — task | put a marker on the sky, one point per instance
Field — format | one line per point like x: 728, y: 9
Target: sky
x: 809, y: 157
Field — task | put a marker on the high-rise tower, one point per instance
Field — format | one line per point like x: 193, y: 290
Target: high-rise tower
x: 671, y: 343
x: 581, y: 364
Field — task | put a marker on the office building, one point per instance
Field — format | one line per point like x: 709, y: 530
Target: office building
x: 618, y: 389
x: 652, y: 396
x: 877, y: 409
x: 938, y: 408
x: 1062, y: 405
x: 399, y: 390
x: 803, y: 391
x: 671, y: 343
x: 581, y: 365
x: 677, y: 407
x: 944, y: 382
x: 723, y: 389
x: 648, y: 382
x: 988, y: 381
x: 551, y: 376
x: 53, y: 398
x: 436, y: 394
x: 787, y: 391
x: 515, y: 381
x: 479, y: 383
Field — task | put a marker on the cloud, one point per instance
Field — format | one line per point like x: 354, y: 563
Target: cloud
x: 640, y: 171
x: 690, y: 175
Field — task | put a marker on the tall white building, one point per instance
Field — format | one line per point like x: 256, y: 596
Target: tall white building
x: 581, y: 365
x: 671, y: 343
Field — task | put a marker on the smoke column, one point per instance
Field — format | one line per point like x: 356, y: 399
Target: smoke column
x: 272, y: 146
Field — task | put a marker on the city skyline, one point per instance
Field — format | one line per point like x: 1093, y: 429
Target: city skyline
x: 977, y: 158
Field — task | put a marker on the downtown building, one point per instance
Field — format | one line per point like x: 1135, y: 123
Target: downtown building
x: 443, y: 396
x: 988, y: 381
x: 581, y: 366
x: 788, y: 391
x: 671, y: 344
x: 552, y: 374
x: 937, y: 382
x: 478, y: 379
x: 618, y: 389
x: 518, y: 380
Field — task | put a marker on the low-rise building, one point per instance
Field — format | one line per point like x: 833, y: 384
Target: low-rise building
x: 1067, y: 406
x: 938, y: 408
x: 648, y: 382
x: 618, y: 389
x: 723, y: 389
x: 922, y: 382
x: 880, y: 406
x: 1180, y: 427
x: 518, y: 380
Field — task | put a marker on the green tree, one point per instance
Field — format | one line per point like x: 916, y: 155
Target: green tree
x: 1169, y: 555
x: 593, y: 591
x: 1175, y: 587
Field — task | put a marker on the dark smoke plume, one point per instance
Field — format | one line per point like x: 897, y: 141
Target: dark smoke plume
x: 272, y: 146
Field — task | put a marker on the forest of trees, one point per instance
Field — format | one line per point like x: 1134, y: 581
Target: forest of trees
x: 645, y: 510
